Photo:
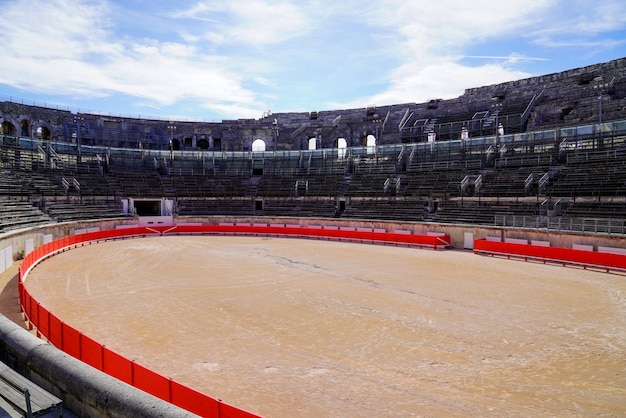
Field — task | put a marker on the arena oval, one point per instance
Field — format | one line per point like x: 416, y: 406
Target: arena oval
x: 282, y: 326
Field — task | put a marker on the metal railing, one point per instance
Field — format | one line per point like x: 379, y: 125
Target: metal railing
x: 559, y: 223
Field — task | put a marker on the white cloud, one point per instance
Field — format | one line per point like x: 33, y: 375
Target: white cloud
x: 431, y: 39
x: 238, y: 59
x: 442, y: 80
x: 79, y: 55
x: 254, y: 22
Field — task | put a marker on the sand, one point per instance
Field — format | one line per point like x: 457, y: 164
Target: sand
x: 302, y: 328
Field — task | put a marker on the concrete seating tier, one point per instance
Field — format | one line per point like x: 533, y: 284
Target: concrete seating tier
x: 298, y: 207
x: 594, y: 209
x: 16, y: 214
x: 389, y: 209
x: 481, y: 212
x: 75, y: 209
x: 216, y: 206
x: 604, y: 178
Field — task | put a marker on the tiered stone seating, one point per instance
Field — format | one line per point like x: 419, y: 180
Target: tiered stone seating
x: 595, y: 209
x: 75, y: 209
x: 367, y: 185
x: 15, y: 214
x: 437, y: 179
x: 473, y: 211
x: 281, y: 165
x: 300, y: 207
x: 277, y: 185
x: 145, y: 184
x: 216, y: 206
x: 391, y: 209
x: 601, y: 174
x: 28, y: 183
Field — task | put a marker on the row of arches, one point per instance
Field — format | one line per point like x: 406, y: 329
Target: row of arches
x: 25, y: 129
x: 201, y: 143
x: 258, y: 145
x: 8, y: 128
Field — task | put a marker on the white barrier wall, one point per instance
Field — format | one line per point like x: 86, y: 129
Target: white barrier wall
x: 3, y: 264
x: 6, y: 259
x: 29, y: 246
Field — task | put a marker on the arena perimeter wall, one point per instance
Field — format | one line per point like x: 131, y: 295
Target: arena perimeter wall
x: 86, y: 389
x: 79, y: 346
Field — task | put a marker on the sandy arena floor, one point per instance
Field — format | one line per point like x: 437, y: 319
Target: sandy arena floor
x: 298, y: 328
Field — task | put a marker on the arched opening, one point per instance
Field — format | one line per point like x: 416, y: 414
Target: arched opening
x: 25, y: 128
x: 258, y: 145
x: 7, y: 128
x: 174, y: 145
x: 188, y: 142
x: 43, y: 133
x: 202, y: 144
x: 342, y: 146
x: 370, y: 143
x: 312, y: 144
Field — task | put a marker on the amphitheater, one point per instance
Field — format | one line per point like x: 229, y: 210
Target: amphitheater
x: 492, y: 282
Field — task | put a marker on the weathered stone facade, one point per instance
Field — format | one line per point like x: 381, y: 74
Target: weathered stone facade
x: 585, y: 95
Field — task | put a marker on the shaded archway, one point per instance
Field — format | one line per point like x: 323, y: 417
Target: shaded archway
x: 25, y: 128
x: 43, y: 133
x: 202, y: 144
x: 7, y: 128
x: 174, y: 145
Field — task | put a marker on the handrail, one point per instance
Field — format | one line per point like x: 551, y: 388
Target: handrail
x: 404, y: 119
x: 529, y: 108
x: 464, y: 183
x: 65, y: 184
x: 529, y: 181
x: 543, y: 180
x: 478, y: 182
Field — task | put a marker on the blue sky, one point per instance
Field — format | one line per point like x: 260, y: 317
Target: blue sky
x: 215, y: 60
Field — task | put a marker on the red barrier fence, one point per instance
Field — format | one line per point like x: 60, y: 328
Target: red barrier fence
x: 91, y: 352
x: 564, y: 256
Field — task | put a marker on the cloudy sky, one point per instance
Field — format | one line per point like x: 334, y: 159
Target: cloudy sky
x: 214, y: 60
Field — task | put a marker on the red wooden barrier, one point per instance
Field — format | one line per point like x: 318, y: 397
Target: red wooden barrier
x: 56, y: 331
x: 565, y: 256
x: 304, y: 232
x: 44, y: 321
x: 194, y: 401
x: 117, y: 366
x: 151, y: 382
x: 97, y: 355
x: 92, y: 352
x: 71, y: 341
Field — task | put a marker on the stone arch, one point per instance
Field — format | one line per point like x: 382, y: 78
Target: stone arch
x: 25, y: 128
x: 258, y: 145
x: 7, y: 128
x: 174, y: 144
x: 341, y: 144
x: 202, y: 143
x: 370, y: 143
x: 43, y: 133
